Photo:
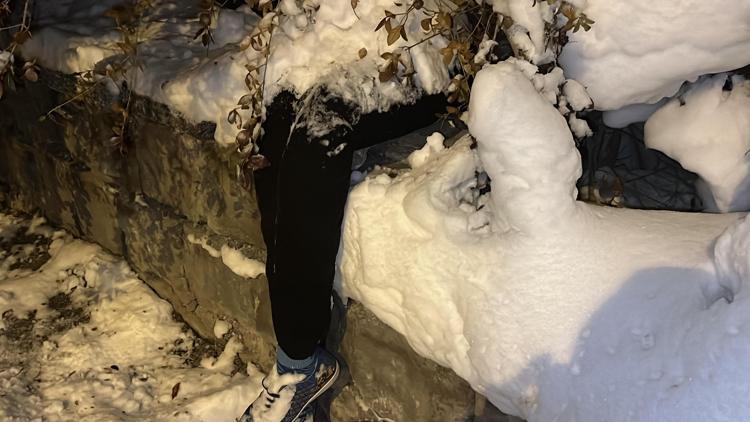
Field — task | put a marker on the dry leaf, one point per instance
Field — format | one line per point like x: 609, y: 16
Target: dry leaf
x: 393, y: 34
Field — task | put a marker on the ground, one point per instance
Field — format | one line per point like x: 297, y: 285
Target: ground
x: 82, y: 338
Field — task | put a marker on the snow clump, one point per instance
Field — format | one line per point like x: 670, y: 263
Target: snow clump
x: 707, y: 130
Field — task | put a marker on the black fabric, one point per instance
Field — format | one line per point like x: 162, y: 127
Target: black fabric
x: 617, y: 167
x: 302, y: 196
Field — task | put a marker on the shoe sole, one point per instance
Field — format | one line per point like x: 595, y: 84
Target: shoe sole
x: 322, y: 390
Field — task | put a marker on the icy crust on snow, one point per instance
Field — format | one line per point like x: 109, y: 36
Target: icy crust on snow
x: 640, y: 51
x: 707, y: 130
x: 125, y: 360
x: 554, y: 309
x: 310, y: 48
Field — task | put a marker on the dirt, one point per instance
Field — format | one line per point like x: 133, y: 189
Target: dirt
x: 31, y: 250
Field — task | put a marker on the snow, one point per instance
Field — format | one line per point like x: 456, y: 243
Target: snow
x: 527, y: 34
x: 306, y: 52
x: 204, y: 84
x: 640, y: 51
x: 576, y: 95
x: 552, y: 308
x: 707, y: 130
x: 434, y: 144
x: 240, y: 264
x: 221, y: 327
x: 284, y: 387
x: 234, y: 259
x: 84, y: 339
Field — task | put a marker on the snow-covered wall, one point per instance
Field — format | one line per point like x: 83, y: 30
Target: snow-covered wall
x: 317, y: 44
x: 555, y: 309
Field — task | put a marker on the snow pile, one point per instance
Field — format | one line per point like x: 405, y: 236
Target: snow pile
x: 317, y: 44
x: 83, y: 339
x: 554, y: 309
x: 324, y: 49
x: 639, y: 51
x: 707, y: 130
x: 543, y: 196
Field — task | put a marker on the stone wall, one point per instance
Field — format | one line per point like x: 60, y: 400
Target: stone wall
x: 170, y: 179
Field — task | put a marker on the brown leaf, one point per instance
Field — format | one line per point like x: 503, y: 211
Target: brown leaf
x: 31, y: 75
x: 393, y: 34
x: 233, y: 117
x: 245, y: 99
x: 444, y: 21
x: 243, y: 138
x: 403, y: 33
x: 386, y: 74
x: 447, y: 54
x: 426, y: 24
x: 175, y: 390
x: 381, y: 23
x: 258, y: 162
x: 21, y: 37
x: 355, y: 3
x: 362, y: 53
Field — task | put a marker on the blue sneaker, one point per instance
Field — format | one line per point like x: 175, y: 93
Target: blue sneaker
x: 287, y: 394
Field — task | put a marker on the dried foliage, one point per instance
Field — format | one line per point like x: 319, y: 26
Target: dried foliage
x: 206, y: 17
x: 465, y: 25
x: 247, y: 116
x: 21, y: 32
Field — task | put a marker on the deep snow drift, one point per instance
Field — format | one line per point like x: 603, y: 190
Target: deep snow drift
x: 640, y: 51
x: 555, y: 309
x: 707, y: 129
x: 82, y: 338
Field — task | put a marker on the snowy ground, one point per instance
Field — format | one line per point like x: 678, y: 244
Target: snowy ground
x: 82, y: 338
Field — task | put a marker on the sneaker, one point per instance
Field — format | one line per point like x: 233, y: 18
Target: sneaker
x: 287, y: 395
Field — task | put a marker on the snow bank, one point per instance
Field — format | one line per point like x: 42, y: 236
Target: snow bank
x: 124, y: 357
x: 554, y: 309
x: 707, y: 130
x: 639, y: 51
